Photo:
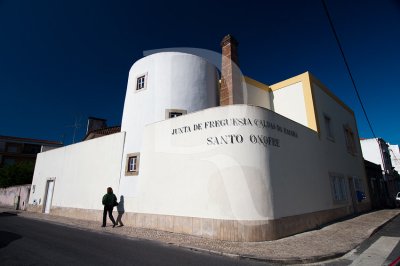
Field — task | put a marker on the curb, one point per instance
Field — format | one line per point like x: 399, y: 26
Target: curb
x: 383, y: 224
x: 203, y: 250
x: 294, y: 260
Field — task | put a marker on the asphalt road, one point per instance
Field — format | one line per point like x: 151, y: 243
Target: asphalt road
x: 26, y: 241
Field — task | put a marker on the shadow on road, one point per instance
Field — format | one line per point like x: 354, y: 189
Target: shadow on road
x: 3, y: 214
x: 7, y: 237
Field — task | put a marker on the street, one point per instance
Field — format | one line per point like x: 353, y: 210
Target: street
x: 25, y: 241
x: 30, y: 242
x: 380, y: 249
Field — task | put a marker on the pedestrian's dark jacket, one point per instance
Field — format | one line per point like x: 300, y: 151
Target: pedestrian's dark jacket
x: 109, y: 200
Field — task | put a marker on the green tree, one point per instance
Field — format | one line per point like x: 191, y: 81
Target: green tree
x: 17, y: 174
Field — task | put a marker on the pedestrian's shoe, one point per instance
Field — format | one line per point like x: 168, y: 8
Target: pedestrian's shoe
x: 103, y: 225
x: 114, y: 225
x: 120, y: 225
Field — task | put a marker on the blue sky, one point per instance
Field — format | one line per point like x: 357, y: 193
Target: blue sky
x: 67, y: 60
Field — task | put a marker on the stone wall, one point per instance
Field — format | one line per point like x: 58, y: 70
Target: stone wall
x: 16, y: 196
x: 230, y: 230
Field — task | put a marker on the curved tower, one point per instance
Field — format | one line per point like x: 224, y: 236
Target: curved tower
x: 162, y: 86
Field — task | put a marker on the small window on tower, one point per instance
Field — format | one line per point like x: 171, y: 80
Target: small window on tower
x: 132, y: 164
x: 141, y: 82
x: 174, y: 114
x: 132, y: 167
x: 171, y: 113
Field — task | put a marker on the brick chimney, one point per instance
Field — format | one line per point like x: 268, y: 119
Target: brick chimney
x: 231, y: 92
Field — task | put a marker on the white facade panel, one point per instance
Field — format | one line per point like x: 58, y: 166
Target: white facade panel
x: 289, y: 101
x: 340, y: 118
x: 257, y: 97
x: 187, y: 174
x: 81, y: 172
x: 333, y: 138
x: 371, y: 151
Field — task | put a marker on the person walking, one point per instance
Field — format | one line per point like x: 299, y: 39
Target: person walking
x: 109, y: 201
x: 121, y: 210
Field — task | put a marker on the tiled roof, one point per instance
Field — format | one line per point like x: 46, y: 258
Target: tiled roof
x: 102, y: 132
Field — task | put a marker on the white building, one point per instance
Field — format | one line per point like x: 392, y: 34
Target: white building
x: 395, y: 156
x: 240, y: 161
x: 377, y: 150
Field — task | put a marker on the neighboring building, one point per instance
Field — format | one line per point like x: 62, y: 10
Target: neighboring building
x: 241, y: 162
x: 376, y: 150
x: 377, y: 186
x: 97, y: 127
x: 395, y: 156
x: 14, y: 149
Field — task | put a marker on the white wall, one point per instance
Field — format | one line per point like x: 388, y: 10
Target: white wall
x: 352, y: 164
x: 327, y: 106
x: 182, y: 175
x: 174, y: 81
x: 395, y: 156
x: 371, y: 151
x: 256, y: 96
x: 82, y: 172
x: 289, y: 101
x: 8, y: 196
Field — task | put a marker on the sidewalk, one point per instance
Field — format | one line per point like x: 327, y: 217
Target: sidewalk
x: 332, y: 241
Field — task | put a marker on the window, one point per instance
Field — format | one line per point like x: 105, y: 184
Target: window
x: 171, y: 113
x: 132, y: 164
x: 12, y: 148
x: 328, y: 127
x: 141, y: 82
x: 2, y: 146
x: 174, y: 114
x: 338, y: 186
x: 350, y: 141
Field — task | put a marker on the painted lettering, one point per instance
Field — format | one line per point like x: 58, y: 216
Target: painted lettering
x: 227, y: 139
x: 181, y: 130
x: 264, y: 140
x: 290, y: 132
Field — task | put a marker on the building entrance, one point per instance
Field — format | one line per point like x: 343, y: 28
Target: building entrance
x: 49, y: 195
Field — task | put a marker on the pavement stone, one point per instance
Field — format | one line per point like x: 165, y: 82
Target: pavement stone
x: 329, y: 242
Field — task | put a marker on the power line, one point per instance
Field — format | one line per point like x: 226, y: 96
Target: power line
x: 347, y: 65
